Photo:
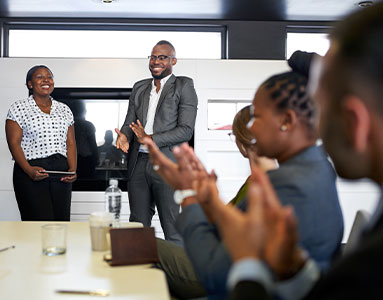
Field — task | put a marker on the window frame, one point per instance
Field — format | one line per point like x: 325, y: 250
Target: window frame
x: 305, y: 29
x: 222, y: 29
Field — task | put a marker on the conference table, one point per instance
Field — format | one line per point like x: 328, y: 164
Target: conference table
x: 25, y: 273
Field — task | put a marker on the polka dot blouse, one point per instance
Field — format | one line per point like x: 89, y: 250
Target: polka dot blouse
x: 43, y: 134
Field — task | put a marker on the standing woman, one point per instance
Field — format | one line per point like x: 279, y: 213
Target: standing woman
x: 40, y: 136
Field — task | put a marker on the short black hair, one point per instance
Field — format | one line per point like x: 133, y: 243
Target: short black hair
x: 30, y: 74
x: 164, y: 42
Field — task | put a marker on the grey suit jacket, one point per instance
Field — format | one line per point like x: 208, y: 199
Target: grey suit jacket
x: 174, y: 119
x: 307, y: 183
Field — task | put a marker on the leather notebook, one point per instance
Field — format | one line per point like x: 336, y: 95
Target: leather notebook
x: 133, y: 246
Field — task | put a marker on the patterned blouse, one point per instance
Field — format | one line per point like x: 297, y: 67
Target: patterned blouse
x: 43, y: 134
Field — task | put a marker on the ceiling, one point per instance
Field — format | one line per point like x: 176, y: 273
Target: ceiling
x: 255, y: 10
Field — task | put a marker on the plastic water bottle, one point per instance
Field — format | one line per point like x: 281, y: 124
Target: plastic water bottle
x: 113, y: 200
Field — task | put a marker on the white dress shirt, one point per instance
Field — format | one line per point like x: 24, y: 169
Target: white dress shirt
x: 153, y: 102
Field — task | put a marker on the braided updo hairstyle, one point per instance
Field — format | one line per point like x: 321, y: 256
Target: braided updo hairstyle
x: 289, y: 90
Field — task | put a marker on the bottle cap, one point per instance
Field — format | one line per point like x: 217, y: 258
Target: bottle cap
x: 113, y: 182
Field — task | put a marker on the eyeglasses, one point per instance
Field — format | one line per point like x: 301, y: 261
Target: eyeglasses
x: 159, y: 57
x: 232, y: 137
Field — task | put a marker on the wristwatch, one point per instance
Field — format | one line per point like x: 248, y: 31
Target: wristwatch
x: 180, y: 195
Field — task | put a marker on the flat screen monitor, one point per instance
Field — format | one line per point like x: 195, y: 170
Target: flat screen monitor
x: 97, y: 112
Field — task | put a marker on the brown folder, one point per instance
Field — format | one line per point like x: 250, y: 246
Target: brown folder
x: 133, y: 246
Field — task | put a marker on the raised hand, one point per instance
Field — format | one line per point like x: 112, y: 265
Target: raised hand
x: 208, y: 196
x: 281, y: 250
x: 206, y: 188
x: 139, y: 131
x: 266, y: 231
x: 264, y: 163
x: 122, y: 141
x: 165, y: 167
x: 178, y: 176
x: 187, y: 157
x: 243, y: 234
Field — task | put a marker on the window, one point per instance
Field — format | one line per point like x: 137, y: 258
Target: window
x: 308, y: 41
x: 115, y: 42
x: 221, y: 113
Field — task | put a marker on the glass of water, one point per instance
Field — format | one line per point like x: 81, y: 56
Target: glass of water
x: 54, y: 239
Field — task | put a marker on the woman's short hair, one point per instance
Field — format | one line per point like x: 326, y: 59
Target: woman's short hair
x: 30, y: 74
x: 242, y: 134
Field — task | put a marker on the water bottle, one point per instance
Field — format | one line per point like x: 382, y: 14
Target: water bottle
x: 113, y: 200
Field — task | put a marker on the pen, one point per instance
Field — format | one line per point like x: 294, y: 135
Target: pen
x: 102, y: 293
x: 6, y: 248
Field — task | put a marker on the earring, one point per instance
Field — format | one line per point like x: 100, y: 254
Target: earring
x: 283, y: 127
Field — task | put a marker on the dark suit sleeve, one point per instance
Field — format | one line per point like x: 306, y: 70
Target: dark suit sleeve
x: 131, y: 116
x: 249, y: 290
x: 354, y: 276
x: 357, y: 275
x: 205, y: 249
x: 187, y: 112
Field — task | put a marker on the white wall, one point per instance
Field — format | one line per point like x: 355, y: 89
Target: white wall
x: 214, y: 79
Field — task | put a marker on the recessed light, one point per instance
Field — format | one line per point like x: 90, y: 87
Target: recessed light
x: 365, y: 3
x: 103, y: 1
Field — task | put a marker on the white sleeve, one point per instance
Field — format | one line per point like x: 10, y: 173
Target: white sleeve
x: 250, y: 269
x: 12, y: 115
x: 298, y: 286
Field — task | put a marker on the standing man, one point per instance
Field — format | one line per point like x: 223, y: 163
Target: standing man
x: 164, y: 109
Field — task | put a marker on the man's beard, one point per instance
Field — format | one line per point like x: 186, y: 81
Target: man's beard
x: 159, y: 76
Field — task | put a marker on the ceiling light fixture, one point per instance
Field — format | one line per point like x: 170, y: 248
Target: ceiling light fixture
x: 107, y: 1
x: 365, y: 3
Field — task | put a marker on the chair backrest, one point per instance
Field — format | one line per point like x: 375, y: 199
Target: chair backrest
x: 360, y: 221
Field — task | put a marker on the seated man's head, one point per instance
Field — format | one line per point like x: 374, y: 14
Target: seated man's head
x: 108, y: 137
x: 283, y: 114
x: 350, y: 95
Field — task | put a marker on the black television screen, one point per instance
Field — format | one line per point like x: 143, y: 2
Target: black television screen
x: 97, y: 112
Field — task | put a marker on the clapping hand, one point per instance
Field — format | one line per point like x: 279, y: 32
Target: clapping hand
x: 263, y: 162
x: 267, y: 231
x: 178, y: 176
x: 208, y: 196
x: 188, y: 173
x: 122, y: 141
x: 139, y: 131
